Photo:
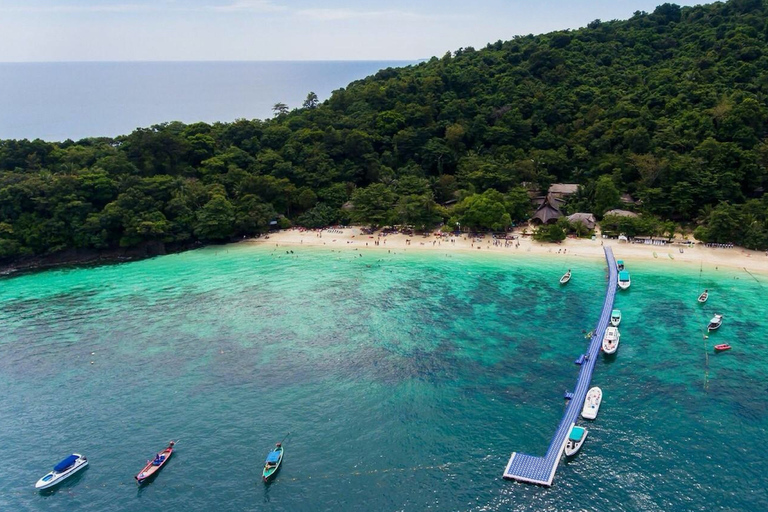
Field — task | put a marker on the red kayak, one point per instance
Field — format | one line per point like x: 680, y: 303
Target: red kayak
x: 154, y: 466
x: 722, y: 347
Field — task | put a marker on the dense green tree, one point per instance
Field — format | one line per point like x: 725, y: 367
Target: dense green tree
x: 373, y: 205
x: 606, y: 195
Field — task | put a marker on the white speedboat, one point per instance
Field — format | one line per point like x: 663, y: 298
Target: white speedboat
x: 576, y: 438
x: 566, y: 277
x: 611, y: 340
x: 63, y: 470
x: 592, y: 403
x: 715, y: 323
x: 615, y: 317
x: 704, y: 296
x: 624, y: 280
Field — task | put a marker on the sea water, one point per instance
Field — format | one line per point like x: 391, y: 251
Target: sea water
x: 55, y: 101
x: 397, y: 380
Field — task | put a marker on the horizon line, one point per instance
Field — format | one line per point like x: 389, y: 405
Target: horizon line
x: 203, y: 61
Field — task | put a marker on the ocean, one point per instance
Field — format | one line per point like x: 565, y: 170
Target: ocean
x: 399, y: 381
x: 74, y: 100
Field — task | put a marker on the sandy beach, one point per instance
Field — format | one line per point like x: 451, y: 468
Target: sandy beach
x: 354, y: 238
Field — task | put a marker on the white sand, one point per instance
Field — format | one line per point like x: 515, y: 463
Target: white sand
x: 692, y: 257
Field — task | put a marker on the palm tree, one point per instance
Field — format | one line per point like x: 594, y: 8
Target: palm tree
x: 311, y: 101
x: 280, y: 109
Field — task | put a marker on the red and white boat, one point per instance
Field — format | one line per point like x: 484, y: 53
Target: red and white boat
x: 722, y: 347
x: 155, y: 465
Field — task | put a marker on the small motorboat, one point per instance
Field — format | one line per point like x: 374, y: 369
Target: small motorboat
x: 155, y: 465
x: 704, y: 296
x: 715, y: 323
x: 624, y: 280
x: 615, y: 317
x: 722, y: 347
x: 272, y: 464
x: 576, y: 438
x: 620, y: 265
x: 63, y: 470
x: 566, y: 277
x: 592, y: 403
x: 611, y: 340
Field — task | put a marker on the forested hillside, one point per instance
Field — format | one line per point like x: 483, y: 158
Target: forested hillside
x: 668, y: 106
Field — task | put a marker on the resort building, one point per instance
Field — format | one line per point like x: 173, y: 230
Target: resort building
x: 563, y: 190
x: 620, y: 213
x: 587, y: 219
x: 547, y: 209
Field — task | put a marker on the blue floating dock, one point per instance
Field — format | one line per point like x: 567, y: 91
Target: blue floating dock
x: 541, y: 470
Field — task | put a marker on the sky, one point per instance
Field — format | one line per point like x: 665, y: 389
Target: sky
x: 202, y: 30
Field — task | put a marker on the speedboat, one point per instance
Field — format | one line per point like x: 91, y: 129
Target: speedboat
x: 566, y: 277
x: 155, y: 465
x: 704, y: 296
x: 272, y: 464
x: 576, y: 438
x: 615, y: 317
x: 611, y: 340
x: 722, y: 347
x: 63, y: 470
x: 620, y: 265
x: 715, y: 323
x: 624, y: 280
x: 592, y: 403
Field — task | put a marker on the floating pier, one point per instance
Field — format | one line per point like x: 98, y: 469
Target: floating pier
x: 541, y: 470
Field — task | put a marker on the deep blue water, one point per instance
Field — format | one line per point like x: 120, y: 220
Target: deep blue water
x: 59, y: 101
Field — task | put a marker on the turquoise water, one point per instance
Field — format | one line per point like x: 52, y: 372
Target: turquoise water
x: 405, y: 381
x: 56, y: 101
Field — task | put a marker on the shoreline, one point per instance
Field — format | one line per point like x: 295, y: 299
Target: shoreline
x: 354, y: 239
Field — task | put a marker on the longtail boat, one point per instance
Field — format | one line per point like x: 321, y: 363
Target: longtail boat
x: 155, y: 465
x: 272, y: 464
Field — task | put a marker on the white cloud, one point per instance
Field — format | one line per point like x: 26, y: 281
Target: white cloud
x: 348, y: 14
x: 248, y: 6
x: 236, y: 6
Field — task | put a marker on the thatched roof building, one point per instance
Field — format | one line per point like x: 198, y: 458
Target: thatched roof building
x: 587, y: 219
x: 548, y: 209
x: 621, y: 213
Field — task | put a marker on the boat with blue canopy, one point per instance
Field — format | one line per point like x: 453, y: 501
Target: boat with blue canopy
x: 575, y: 439
x: 620, y: 265
x: 624, y: 280
x: 615, y: 317
x: 63, y: 470
x: 272, y: 463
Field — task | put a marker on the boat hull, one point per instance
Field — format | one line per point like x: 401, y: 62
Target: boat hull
x: 269, y: 471
x: 54, y: 478
x: 572, y: 447
x: 624, y: 285
x: 611, y: 340
x: 592, y: 403
x: 151, y: 470
x: 722, y: 348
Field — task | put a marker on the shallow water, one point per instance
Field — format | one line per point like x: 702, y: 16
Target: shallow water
x: 405, y: 381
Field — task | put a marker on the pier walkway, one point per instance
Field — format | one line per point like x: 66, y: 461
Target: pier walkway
x: 541, y: 470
